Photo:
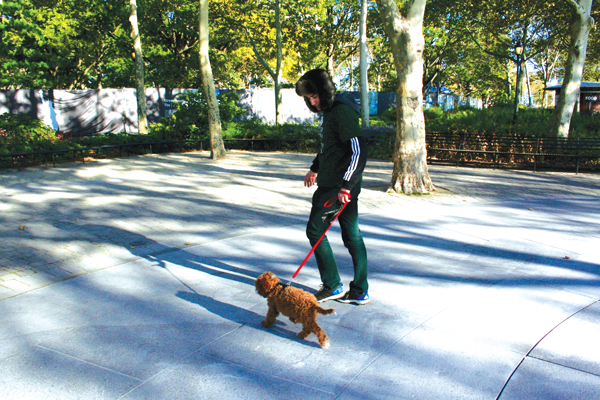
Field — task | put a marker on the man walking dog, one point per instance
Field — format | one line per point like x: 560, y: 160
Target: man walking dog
x: 337, y: 170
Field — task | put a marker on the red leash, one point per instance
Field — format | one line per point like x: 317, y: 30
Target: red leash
x: 319, y: 241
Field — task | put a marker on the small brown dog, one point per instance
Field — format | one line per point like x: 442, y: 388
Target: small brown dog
x: 300, y: 306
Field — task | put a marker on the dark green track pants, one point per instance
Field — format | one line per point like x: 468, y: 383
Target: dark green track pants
x: 324, y: 200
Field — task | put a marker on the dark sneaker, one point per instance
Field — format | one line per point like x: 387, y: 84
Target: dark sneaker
x: 325, y: 294
x: 353, y: 298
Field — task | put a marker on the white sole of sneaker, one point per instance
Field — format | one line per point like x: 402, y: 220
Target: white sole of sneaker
x: 334, y: 297
x: 357, y: 302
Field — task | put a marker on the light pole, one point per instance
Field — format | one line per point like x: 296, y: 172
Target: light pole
x: 518, y: 51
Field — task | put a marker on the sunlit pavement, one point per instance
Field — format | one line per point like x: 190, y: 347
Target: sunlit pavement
x: 133, y: 278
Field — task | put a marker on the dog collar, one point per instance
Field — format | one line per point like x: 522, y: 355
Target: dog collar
x: 278, y: 284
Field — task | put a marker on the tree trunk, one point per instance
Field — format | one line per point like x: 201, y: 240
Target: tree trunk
x: 364, y: 83
x: 278, y: 72
x: 330, y: 68
x: 410, y: 173
x: 275, y: 75
x: 139, y: 70
x: 580, y: 29
x: 528, y: 82
x: 217, y: 148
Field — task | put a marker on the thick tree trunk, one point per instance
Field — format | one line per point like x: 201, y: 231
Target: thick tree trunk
x: 410, y: 173
x: 580, y: 29
x: 217, y: 148
x: 139, y: 69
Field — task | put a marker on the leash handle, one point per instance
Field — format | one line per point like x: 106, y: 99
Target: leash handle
x: 319, y: 241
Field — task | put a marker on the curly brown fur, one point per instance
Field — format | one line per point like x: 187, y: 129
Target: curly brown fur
x: 319, y: 82
x: 299, y: 306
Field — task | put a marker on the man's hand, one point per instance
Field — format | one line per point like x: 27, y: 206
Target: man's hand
x: 344, y: 196
x: 310, y: 178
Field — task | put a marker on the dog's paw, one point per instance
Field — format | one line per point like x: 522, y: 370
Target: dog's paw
x: 302, y: 335
x: 265, y: 324
x: 325, y: 345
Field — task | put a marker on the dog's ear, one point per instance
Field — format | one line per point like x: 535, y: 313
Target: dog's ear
x: 272, y: 280
x: 260, y: 284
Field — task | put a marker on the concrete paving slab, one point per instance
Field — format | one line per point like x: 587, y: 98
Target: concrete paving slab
x: 540, y: 380
x: 574, y: 343
x: 285, y: 356
x: 429, y: 364
x: 11, y: 346
x: 138, y: 351
x: 512, y: 315
x: 22, y: 318
x: 42, y: 373
x: 203, y: 377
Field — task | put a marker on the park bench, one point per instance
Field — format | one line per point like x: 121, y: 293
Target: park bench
x: 513, y: 150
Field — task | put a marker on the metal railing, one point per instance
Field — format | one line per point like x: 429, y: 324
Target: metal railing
x: 465, y: 148
x: 252, y: 144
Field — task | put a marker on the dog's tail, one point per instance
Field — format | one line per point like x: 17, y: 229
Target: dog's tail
x: 324, y: 311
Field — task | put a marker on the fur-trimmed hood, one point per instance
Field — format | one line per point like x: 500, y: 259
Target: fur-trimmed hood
x: 319, y: 82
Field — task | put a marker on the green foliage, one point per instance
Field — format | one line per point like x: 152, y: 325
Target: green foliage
x: 380, y: 140
x: 62, y: 45
x: 249, y: 129
x: 169, y: 31
x: 22, y: 134
x: 228, y: 107
x: 190, y: 120
x: 585, y: 126
x: 388, y: 117
x: 292, y: 137
x: 433, y: 113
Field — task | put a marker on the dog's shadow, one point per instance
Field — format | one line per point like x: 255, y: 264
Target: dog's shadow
x: 245, y: 317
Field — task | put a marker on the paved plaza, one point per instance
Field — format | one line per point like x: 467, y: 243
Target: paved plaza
x: 133, y: 279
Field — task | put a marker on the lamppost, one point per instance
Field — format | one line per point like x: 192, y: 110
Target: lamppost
x: 518, y: 51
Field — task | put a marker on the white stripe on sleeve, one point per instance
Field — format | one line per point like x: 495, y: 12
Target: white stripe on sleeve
x: 354, y: 159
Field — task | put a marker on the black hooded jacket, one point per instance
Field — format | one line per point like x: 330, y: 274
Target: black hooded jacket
x: 343, y: 155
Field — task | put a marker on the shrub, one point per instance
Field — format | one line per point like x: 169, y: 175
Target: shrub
x: 433, y: 113
x: 380, y: 140
x: 389, y: 116
x: 22, y: 134
x: 190, y: 120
